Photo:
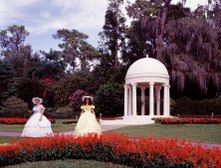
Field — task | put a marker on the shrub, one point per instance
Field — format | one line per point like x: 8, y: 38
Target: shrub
x: 172, y: 106
x: 63, y: 110
x: 110, y: 99
x: 15, y: 107
x: 184, y: 106
x: 187, y: 106
x: 216, y: 108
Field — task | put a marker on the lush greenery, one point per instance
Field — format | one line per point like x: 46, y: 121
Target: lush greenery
x: 187, y: 106
x: 16, y: 107
x: 187, y: 42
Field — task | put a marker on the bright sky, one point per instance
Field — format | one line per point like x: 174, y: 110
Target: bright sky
x: 42, y: 18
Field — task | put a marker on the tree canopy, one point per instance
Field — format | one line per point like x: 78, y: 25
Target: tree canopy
x: 187, y: 42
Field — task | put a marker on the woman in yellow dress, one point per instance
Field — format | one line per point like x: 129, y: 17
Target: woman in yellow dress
x: 87, y: 122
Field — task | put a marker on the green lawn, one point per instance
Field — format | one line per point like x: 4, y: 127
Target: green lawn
x: 8, y: 139
x: 204, y: 133
x: 67, y: 164
x: 57, y: 127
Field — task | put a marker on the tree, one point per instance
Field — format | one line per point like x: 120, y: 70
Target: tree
x: 191, y: 42
x: 12, y: 39
x: 13, y: 49
x: 142, y: 32
x: 51, y: 66
x: 109, y: 99
x: 113, y: 34
x: 156, y: 13
x: 193, y: 51
x: 6, y: 73
x: 75, y: 47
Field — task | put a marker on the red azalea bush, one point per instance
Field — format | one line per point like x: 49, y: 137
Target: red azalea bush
x: 116, y: 148
x: 190, y: 120
x: 19, y: 120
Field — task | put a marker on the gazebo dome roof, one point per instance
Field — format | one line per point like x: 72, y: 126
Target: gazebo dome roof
x: 147, y: 69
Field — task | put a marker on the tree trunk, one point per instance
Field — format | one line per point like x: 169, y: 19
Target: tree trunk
x: 116, y: 53
x: 160, y: 30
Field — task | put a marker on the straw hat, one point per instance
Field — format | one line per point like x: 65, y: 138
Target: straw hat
x: 36, y: 98
x: 87, y: 97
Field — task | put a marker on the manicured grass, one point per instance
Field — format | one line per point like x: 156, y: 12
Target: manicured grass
x: 203, y: 133
x: 11, y: 128
x: 57, y: 127
x: 68, y: 164
x: 8, y: 139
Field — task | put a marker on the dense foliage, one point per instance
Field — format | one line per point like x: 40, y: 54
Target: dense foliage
x: 109, y: 99
x: 187, y: 106
x: 187, y: 42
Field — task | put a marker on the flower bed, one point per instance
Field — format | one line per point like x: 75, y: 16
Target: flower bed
x: 199, y: 116
x: 190, y: 120
x: 116, y: 148
x: 19, y: 120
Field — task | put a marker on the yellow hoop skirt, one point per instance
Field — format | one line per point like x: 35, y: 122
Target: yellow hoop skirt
x: 87, y: 123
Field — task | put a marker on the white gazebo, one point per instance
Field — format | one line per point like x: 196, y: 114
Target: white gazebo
x: 150, y: 78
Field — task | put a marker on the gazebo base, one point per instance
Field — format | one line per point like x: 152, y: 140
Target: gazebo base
x: 130, y: 120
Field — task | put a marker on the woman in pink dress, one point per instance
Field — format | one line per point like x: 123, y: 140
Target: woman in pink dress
x: 37, y: 125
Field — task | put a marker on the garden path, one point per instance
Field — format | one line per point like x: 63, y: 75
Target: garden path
x: 104, y: 128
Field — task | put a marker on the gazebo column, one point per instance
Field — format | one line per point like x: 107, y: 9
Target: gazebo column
x: 158, y: 99
x: 165, y: 100
x: 130, y: 101
x: 125, y: 100
x: 143, y: 100
x: 134, y: 95
x: 168, y: 109
x: 151, y: 99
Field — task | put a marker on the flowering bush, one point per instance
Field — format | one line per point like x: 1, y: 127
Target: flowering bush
x: 190, y: 120
x: 19, y: 120
x: 117, y: 148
